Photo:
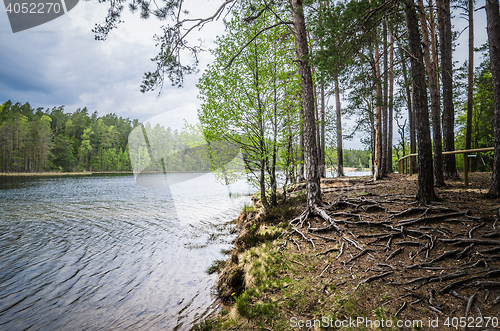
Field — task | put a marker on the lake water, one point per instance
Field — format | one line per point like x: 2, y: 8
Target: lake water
x: 102, y: 253
x: 358, y: 173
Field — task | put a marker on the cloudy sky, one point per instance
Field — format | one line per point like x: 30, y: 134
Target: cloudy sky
x: 60, y: 63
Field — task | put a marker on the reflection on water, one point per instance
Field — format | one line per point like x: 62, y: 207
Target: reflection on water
x: 100, y: 252
x: 358, y: 173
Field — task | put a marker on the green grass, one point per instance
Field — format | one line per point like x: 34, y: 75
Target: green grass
x: 216, y: 266
x: 248, y: 209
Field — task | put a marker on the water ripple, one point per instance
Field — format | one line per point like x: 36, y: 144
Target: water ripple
x: 101, y: 253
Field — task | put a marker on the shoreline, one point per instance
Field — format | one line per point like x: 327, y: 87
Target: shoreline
x: 90, y: 173
x: 83, y: 173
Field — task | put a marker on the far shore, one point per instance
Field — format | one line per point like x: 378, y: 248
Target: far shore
x: 85, y: 173
x: 89, y: 173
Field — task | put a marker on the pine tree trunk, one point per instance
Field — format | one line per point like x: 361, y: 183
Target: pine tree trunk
x: 340, y: 151
x: 318, y: 128
x: 385, y: 110
x: 444, y: 23
x: 310, y: 148
x: 470, y: 87
x: 322, y: 141
x: 411, y: 114
x: 425, y: 189
x: 378, y: 172
x: 493, y: 19
x: 435, y: 107
x: 302, y: 177
x: 391, y: 105
x: 432, y: 26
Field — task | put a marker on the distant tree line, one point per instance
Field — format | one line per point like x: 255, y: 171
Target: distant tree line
x: 41, y: 140
x: 38, y: 140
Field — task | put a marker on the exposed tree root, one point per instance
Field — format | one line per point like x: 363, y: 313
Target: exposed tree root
x: 462, y: 241
x: 363, y: 252
x: 424, y: 253
x: 372, y: 278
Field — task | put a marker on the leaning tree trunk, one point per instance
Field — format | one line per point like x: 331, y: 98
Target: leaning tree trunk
x: 425, y: 190
x: 493, y: 19
x: 444, y: 23
x: 435, y: 107
x: 340, y: 151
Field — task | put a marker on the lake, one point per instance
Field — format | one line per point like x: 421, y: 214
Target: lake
x: 103, y: 253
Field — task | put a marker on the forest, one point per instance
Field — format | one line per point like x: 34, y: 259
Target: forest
x: 52, y: 140
x: 48, y: 140
x: 39, y: 140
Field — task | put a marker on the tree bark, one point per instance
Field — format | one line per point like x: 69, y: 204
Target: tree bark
x: 385, y: 157
x: 444, y: 23
x: 411, y: 116
x: 493, y: 20
x: 340, y: 155
x: 425, y: 190
x: 310, y: 148
x: 470, y: 87
x: 378, y: 172
x: 432, y: 26
x: 391, y: 105
x: 435, y: 107
x: 322, y: 140
x: 318, y: 127
x: 302, y: 177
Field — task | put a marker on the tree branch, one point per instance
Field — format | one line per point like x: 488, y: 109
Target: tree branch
x: 253, y: 38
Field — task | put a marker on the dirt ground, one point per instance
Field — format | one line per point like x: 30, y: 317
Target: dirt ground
x: 395, y: 262
x: 442, y: 260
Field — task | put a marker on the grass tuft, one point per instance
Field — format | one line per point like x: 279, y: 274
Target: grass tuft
x: 216, y: 266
